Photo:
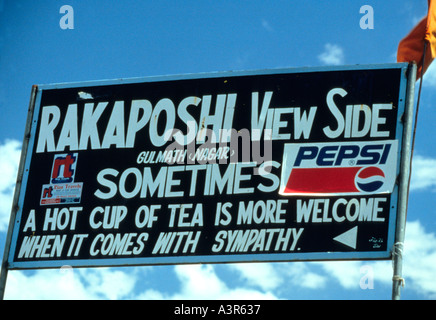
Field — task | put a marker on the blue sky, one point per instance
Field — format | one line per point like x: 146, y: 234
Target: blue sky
x: 114, y: 39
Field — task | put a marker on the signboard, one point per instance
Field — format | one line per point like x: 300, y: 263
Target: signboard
x: 278, y: 165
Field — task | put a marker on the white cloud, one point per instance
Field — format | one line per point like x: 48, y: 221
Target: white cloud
x: 109, y: 284
x: 263, y: 275
x: 10, y: 152
x: 346, y: 272
x: 71, y: 284
x: 151, y: 294
x: 196, y: 282
x: 44, y: 284
x: 332, y: 55
x: 299, y: 274
x: 201, y: 282
x: 423, y: 173
x: 271, y: 276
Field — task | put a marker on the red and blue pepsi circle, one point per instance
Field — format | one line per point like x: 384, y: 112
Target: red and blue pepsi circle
x: 370, y: 179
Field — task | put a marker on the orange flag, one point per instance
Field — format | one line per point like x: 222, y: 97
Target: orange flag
x: 411, y: 48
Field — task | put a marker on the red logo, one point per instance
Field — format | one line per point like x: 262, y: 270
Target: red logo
x: 64, y: 168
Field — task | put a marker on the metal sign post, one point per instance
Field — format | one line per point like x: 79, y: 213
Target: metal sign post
x: 273, y: 165
x: 16, y: 200
x: 397, y: 252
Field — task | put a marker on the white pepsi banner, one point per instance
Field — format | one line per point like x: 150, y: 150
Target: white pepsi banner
x: 339, y: 168
x: 274, y: 165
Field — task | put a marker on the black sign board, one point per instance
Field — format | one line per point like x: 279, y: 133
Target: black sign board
x: 277, y: 165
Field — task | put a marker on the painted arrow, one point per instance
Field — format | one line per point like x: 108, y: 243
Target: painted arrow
x: 349, y: 238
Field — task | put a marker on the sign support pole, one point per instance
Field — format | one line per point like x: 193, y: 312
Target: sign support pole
x: 397, y: 250
x: 4, y: 266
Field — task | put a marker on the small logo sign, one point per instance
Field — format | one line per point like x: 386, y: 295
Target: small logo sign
x: 62, y: 188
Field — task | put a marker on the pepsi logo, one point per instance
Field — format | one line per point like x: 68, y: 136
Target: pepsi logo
x: 345, y: 168
x: 370, y: 179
